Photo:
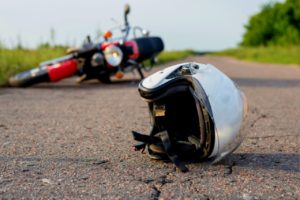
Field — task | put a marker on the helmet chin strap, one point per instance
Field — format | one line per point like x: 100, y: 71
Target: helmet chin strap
x: 164, y: 139
x: 169, y: 148
x: 161, y: 144
x: 159, y: 136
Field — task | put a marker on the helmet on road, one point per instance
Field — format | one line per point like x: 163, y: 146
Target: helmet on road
x: 196, y: 113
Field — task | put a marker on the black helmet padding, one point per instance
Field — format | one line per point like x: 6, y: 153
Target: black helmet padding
x: 173, y: 131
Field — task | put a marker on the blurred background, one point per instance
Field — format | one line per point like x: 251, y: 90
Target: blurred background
x: 202, y: 25
x: 265, y: 31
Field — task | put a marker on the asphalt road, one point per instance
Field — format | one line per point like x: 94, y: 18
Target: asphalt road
x: 69, y: 141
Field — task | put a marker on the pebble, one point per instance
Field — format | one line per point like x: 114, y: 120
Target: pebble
x: 163, y: 180
x: 48, y: 181
x: 228, y: 170
x: 249, y: 197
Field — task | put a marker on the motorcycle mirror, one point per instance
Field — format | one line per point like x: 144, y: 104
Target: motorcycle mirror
x: 127, y: 9
x: 145, y: 33
x: 88, y: 39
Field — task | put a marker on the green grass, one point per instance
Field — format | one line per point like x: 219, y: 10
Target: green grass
x: 13, y: 61
x: 168, y: 56
x: 272, y: 54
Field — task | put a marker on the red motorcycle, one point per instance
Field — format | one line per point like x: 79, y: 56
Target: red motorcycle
x: 113, y: 56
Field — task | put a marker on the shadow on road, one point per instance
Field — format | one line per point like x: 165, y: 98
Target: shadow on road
x: 88, y: 85
x: 247, y: 82
x: 95, y: 161
x: 277, y: 161
x: 252, y: 161
x: 267, y: 82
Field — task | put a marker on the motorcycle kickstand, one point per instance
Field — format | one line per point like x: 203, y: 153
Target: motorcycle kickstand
x: 81, y: 78
x: 139, y: 69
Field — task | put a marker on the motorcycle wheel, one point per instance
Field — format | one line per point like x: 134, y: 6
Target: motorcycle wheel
x: 104, y: 77
x: 29, y: 77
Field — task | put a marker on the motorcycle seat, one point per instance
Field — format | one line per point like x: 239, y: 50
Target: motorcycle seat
x: 149, y: 47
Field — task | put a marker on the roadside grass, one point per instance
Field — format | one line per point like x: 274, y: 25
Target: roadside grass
x: 168, y: 56
x: 13, y: 61
x: 271, y: 54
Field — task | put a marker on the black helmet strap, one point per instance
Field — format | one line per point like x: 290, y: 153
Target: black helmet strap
x: 169, y: 148
x: 167, y: 143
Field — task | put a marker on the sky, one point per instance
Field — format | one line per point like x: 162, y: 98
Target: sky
x: 203, y: 25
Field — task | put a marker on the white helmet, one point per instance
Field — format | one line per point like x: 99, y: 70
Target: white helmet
x: 196, y: 112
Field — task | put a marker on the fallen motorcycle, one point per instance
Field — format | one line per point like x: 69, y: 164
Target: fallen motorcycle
x: 113, y: 56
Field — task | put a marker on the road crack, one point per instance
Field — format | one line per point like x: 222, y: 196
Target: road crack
x: 257, y: 119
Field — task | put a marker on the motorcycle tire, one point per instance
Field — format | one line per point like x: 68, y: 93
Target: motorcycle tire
x: 29, y: 77
x: 104, y: 77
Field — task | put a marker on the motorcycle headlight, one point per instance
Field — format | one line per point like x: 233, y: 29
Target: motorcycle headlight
x: 113, y: 55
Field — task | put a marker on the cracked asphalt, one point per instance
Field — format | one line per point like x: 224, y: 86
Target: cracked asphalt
x: 69, y: 141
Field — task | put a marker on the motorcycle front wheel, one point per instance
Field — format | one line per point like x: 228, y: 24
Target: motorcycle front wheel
x: 104, y: 77
x: 29, y: 77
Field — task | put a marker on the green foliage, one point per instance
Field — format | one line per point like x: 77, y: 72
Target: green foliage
x: 271, y: 54
x: 276, y: 24
x: 169, y: 56
x: 272, y: 35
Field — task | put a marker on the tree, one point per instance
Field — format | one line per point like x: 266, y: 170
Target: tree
x: 276, y: 24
